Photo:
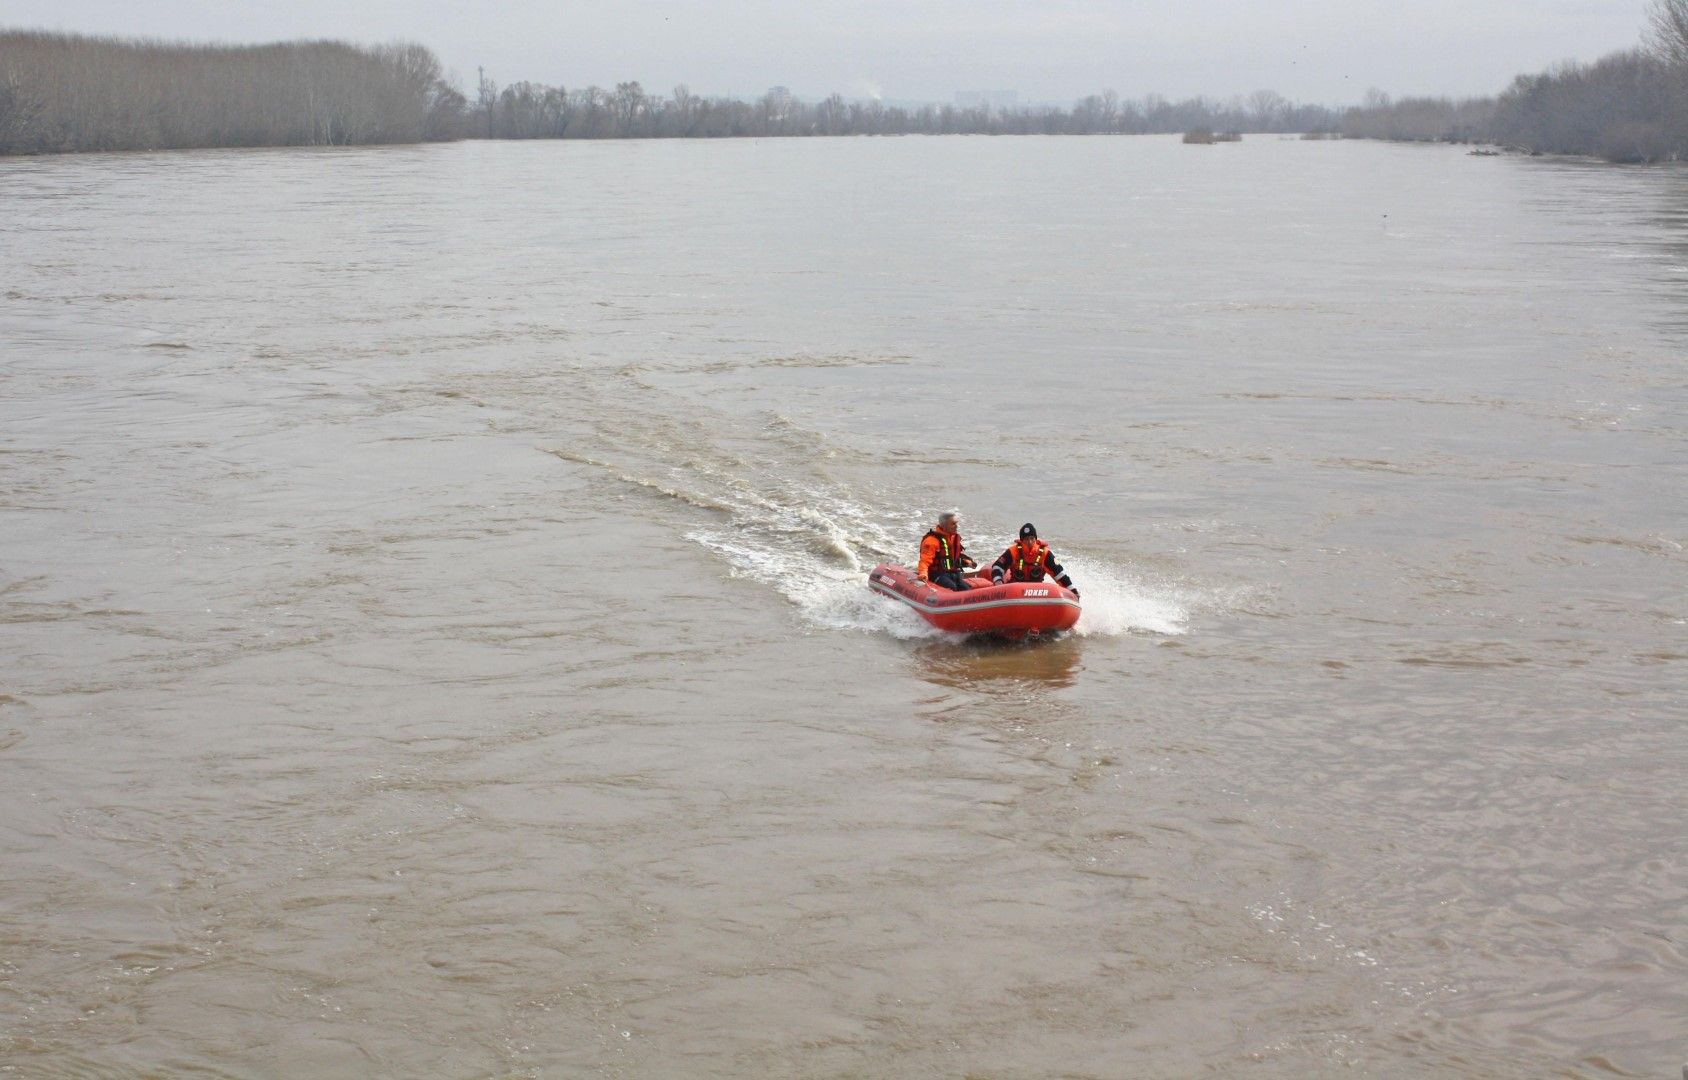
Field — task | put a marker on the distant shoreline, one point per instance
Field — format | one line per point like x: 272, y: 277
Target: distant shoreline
x: 141, y: 95
x: 66, y: 93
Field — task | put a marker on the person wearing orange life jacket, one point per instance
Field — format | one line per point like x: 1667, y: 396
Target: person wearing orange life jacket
x: 941, y: 556
x: 1029, y: 559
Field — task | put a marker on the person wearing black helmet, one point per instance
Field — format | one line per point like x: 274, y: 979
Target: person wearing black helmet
x: 1029, y: 559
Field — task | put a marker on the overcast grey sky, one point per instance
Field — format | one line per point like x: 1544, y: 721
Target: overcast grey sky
x: 1326, y: 51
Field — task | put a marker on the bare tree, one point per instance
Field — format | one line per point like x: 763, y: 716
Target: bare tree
x: 1626, y: 107
x: 775, y: 107
x: 62, y: 92
x: 1268, y: 107
x: 486, y: 103
x: 628, y: 104
x: 832, y: 115
x: 593, y: 106
x: 684, y: 109
x: 18, y: 116
x: 1670, y: 31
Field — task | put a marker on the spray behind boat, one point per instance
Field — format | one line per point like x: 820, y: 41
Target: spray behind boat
x: 769, y: 498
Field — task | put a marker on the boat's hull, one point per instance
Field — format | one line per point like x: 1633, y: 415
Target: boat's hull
x: 1014, y: 608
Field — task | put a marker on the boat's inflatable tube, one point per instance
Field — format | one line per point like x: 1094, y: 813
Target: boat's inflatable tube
x: 1013, y: 608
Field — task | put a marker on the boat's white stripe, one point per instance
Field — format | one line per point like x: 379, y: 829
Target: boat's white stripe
x: 933, y: 609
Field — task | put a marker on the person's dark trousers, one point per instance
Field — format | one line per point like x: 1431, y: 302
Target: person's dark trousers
x: 951, y: 581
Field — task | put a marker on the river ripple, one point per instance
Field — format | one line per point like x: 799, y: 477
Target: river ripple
x: 433, y: 638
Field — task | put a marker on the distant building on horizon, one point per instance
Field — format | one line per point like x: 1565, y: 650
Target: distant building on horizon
x: 993, y: 100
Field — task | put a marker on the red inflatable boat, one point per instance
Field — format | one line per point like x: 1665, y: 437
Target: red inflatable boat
x: 1014, y: 608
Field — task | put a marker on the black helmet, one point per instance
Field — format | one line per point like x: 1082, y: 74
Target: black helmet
x: 1028, y: 529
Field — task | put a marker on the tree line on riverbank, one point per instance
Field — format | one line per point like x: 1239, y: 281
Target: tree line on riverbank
x: 1630, y: 106
x: 532, y: 111
x: 62, y: 92
x: 65, y: 92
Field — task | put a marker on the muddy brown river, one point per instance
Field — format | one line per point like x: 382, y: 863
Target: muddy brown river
x: 434, y: 635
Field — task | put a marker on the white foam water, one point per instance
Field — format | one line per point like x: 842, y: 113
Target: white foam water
x: 828, y: 595
x: 832, y: 593
x: 1117, y: 600
x: 813, y: 540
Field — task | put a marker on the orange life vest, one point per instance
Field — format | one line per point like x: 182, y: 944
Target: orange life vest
x: 1027, y: 562
x: 948, y: 558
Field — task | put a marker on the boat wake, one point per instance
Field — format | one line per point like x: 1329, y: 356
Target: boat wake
x: 774, y: 516
x: 1119, y: 601
x: 834, y: 596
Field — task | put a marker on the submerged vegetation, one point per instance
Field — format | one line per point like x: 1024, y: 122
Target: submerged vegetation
x: 1628, y: 107
x: 63, y: 92
x: 531, y: 111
